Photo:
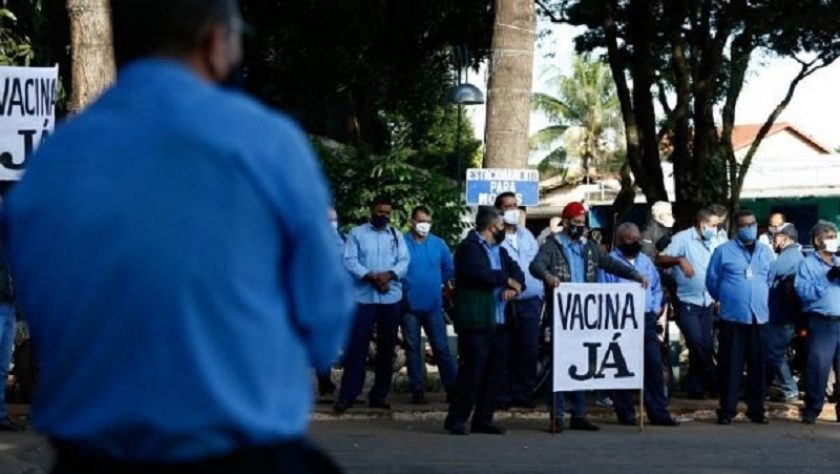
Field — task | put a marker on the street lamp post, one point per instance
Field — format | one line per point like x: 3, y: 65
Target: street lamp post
x: 462, y: 94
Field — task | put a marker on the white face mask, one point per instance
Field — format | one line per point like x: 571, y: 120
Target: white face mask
x: 831, y: 245
x: 334, y: 225
x: 666, y: 220
x: 512, y: 217
x: 423, y: 228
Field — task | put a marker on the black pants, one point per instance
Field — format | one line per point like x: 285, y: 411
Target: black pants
x: 283, y: 458
x: 739, y: 344
x: 481, y: 355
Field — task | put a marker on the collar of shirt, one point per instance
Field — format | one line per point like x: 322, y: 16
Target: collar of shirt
x: 834, y: 260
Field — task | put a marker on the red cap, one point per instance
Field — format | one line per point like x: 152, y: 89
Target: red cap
x: 573, y: 209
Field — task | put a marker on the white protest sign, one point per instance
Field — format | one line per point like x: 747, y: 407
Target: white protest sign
x: 27, y: 114
x: 598, y: 334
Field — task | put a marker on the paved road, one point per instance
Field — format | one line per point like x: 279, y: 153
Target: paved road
x: 405, y: 447
x: 380, y: 447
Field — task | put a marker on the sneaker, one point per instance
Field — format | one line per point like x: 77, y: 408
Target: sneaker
x: 605, y: 402
x: 582, y: 424
x: 7, y: 424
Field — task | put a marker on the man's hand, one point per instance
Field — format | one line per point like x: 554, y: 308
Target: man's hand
x: 386, y: 277
x: 834, y: 274
x: 552, y: 281
x: 643, y: 281
x: 515, y: 285
x: 509, y: 295
x: 686, y: 268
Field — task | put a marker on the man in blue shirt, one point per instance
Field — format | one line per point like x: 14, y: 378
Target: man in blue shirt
x: 431, y: 267
x: 520, y: 378
x: 326, y: 387
x: 688, y: 256
x: 739, y: 276
x: 818, y: 286
x: 785, y: 307
x: 377, y: 258
x: 170, y: 251
x: 628, y: 250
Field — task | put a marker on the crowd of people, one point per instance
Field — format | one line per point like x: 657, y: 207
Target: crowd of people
x: 736, y: 302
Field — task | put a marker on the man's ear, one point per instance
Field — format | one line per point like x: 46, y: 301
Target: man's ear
x: 215, y: 52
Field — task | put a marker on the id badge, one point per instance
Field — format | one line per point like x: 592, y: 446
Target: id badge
x: 749, y: 273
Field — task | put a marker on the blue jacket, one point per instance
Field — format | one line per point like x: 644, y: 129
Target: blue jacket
x: 369, y: 250
x: 170, y: 254
x: 431, y: 266
x: 818, y: 294
x: 741, y: 282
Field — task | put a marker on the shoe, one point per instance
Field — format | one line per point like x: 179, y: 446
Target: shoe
x: 628, y: 421
x: 605, y: 402
x: 418, y: 398
x: 7, y: 424
x: 724, y: 420
x: 503, y: 405
x: 809, y: 419
x: 582, y: 424
x: 455, y: 428
x: 664, y: 422
x: 492, y: 429
x: 760, y: 419
x: 382, y: 404
x: 342, y: 406
x: 325, y: 390
x: 697, y: 396
x: 556, y: 429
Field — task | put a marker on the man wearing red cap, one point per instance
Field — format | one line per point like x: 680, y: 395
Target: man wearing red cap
x: 569, y: 257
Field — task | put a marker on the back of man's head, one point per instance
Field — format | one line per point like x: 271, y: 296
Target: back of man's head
x: 174, y: 28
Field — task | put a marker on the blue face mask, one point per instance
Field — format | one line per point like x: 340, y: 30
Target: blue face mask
x: 748, y: 234
x: 708, y: 233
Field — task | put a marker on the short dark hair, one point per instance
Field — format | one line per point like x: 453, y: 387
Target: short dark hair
x: 381, y: 200
x: 719, y: 210
x: 500, y: 197
x: 143, y: 28
x: 703, y: 215
x: 774, y: 213
x: 484, y: 217
x: 419, y: 209
x: 743, y: 212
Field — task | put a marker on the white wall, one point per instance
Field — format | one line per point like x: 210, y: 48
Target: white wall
x: 783, y: 145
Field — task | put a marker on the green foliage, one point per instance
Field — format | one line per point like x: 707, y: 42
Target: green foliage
x: 15, y: 49
x: 358, y: 176
x: 587, y: 101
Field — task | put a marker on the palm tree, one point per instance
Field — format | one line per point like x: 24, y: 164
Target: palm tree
x: 585, y: 117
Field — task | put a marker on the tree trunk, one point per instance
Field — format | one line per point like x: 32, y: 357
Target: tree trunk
x: 92, y: 50
x: 509, y: 87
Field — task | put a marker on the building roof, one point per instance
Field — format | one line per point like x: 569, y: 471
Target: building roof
x: 744, y: 135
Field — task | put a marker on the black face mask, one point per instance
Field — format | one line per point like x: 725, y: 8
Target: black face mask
x: 576, y: 231
x: 499, y: 236
x: 379, y: 222
x: 631, y: 250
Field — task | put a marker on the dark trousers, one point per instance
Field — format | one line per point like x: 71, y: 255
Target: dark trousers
x: 557, y: 405
x: 823, y: 351
x: 696, y: 324
x: 739, y: 344
x: 656, y: 403
x: 480, y: 358
x: 386, y: 319
x: 519, y: 378
x: 297, y: 457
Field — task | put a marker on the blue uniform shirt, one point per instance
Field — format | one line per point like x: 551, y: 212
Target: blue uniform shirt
x: 689, y: 245
x: 369, y: 250
x: 644, y: 265
x: 784, y: 267
x: 494, y: 253
x: 818, y: 295
x: 523, y: 252
x: 171, y: 252
x: 741, y: 281
x: 573, y: 251
x: 431, y: 265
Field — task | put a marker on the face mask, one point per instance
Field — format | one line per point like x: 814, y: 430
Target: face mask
x: 334, y: 225
x: 748, y: 234
x: 708, y: 232
x: 576, y: 231
x: 511, y: 217
x: 667, y: 220
x: 379, y: 222
x: 423, y: 228
x: 631, y: 249
x: 499, y: 236
x: 831, y: 245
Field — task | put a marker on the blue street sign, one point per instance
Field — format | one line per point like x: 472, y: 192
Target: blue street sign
x: 484, y: 184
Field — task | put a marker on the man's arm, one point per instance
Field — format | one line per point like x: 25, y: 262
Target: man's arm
x: 539, y: 267
x: 713, y: 274
x: 808, y: 284
x: 447, y: 265
x: 403, y: 258
x: 655, y: 288
x: 351, y: 257
x: 514, y: 271
x: 465, y: 261
x: 618, y: 268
